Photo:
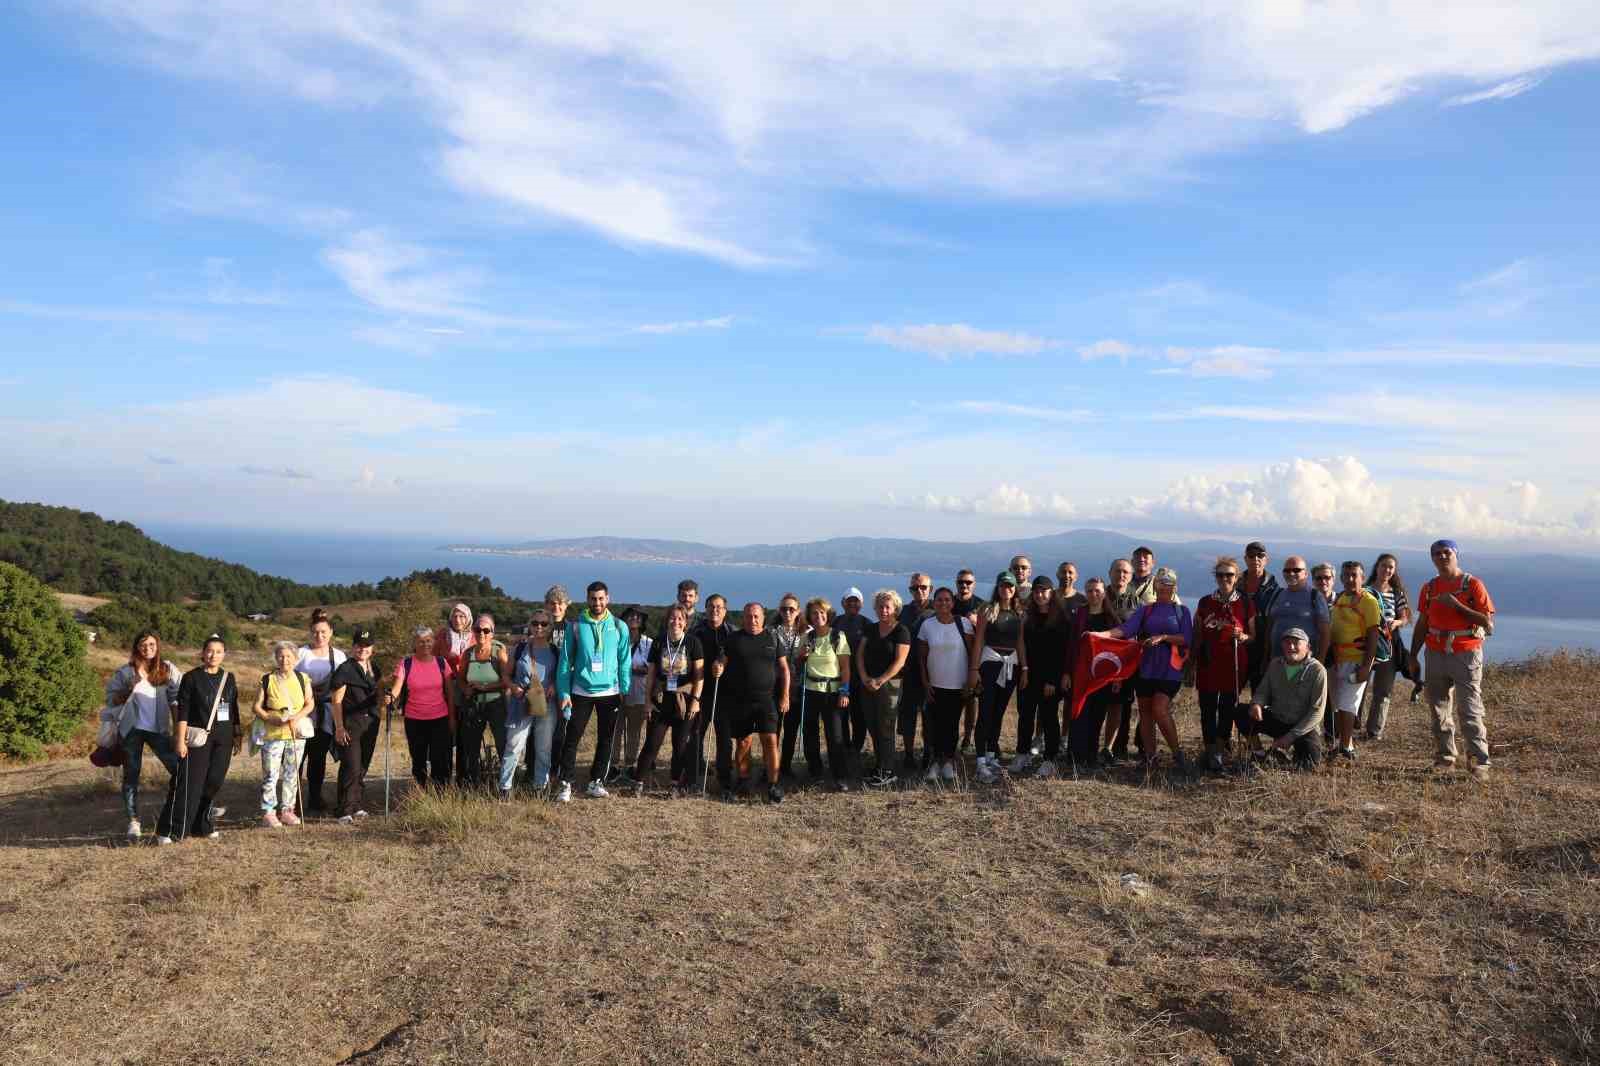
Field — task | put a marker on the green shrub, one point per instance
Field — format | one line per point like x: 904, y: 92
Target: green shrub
x: 46, y: 685
x: 180, y: 625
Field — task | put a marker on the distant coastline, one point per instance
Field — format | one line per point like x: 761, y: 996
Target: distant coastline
x: 645, y: 557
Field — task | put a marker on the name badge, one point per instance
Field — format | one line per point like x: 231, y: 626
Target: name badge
x: 672, y: 682
x: 597, y: 666
x: 222, y: 713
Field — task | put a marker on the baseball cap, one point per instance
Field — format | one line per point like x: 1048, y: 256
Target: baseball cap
x: 1006, y: 577
x: 1294, y: 634
x: 1255, y: 547
x: 852, y: 591
x: 364, y: 639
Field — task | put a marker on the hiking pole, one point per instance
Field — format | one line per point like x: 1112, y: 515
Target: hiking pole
x: 611, y: 742
x: 388, y: 735
x: 705, y: 772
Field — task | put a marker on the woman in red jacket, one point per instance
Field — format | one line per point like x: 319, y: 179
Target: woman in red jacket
x: 1224, y: 627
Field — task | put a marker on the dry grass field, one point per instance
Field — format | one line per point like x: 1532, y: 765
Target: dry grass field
x: 1376, y: 914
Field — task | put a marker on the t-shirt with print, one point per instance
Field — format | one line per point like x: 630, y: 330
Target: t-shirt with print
x: 1303, y: 608
x: 1353, y: 615
x: 878, y: 651
x: 822, y: 667
x: 672, y: 660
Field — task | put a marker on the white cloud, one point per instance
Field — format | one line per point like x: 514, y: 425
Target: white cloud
x: 958, y: 339
x: 1504, y: 91
x: 302, y: 410
x: 1225, y: 361
x: 1337, y: 497
x: 1526, y: 495
x: 1028, y: 411
x: 288, y: 473
x: 721, y: 322
x: 675, y: 126
x: 1106, y: 349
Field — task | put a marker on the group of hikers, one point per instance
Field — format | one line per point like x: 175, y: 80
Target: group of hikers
x: 1319, y: 654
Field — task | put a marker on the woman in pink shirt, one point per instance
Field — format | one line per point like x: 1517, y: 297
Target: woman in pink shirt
x: 422, y: 687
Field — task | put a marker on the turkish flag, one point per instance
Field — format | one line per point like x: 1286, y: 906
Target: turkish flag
x: 1102, y: 661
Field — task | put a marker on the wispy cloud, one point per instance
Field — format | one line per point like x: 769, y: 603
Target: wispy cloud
x: 288, y: 473
x: 1504, y: 91
x: 1026, y: 411
x: 958, y: 339
x: 633, y: 121
x: 720, y: 322
x: 1106, y: 349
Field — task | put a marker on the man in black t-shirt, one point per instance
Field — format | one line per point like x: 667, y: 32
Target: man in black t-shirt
x: 712, y: 630
x: 755, y: 698
x: 853, y: 624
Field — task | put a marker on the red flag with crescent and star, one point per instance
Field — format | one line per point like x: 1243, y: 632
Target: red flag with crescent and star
x: 1102, y: 661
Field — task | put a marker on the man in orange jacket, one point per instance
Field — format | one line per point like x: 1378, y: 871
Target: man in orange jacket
x: 1455, y: 614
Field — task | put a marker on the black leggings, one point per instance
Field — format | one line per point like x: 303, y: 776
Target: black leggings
x: 662, y: 722
x: 913, y: 700
x: 195, y: 786
x: 992, y: 708
x: 1218, y: 712
x: 479, y: 713
x: 1083, y: 734
x: 1032, y: 705
x: 316, y: 758
x: 942, y: 721
x: 823, y: 708
x: 429, y: 742
x: 800, y: 725
x: 354, y: 758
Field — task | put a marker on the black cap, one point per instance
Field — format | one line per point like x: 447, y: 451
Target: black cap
x: 1255, y: 547
x: 636, y: 612
x: 1142, y: 550
x: 364, y: 639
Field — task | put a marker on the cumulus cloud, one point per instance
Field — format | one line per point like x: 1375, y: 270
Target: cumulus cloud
x: 958, y: 339
x: 673, y: 126
x: 1336, y: 496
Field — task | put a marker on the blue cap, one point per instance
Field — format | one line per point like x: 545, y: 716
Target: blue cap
x: 1436, y: 545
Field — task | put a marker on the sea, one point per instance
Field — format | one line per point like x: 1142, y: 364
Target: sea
x: 344, y: 560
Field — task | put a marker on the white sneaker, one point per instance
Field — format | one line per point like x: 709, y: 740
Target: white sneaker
x: 362, y: 814
x: 1022, y: 763
x: 948, y: 770
x: 564, y: 793
x: 933, y: 773
x: 135, y: 830
x: 218, y: 812
x: 213, y: 835
x: 164, y: 840
x: 1047, y: 769
x: 595, y: 791
x: 346, y: 819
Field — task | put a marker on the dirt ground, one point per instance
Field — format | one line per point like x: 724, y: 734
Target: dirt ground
x: 1374, y: 914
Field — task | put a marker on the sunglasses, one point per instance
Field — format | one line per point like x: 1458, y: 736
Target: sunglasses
x: 788, y: 608
x: 920, y: 588
x: 538, y: 625
x: 1294, y: 569
x: 1226, y: 573
x: 964, y: 584
x: 489, y: 629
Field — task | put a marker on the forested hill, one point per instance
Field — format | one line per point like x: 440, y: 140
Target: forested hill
x: 76, y: 551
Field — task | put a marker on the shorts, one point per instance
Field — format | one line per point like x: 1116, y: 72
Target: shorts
x: 1347, y: 691
x: 1149, y: 686
x: 756, y: 716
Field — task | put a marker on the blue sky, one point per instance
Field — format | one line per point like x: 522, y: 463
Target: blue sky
x: 739, y: 274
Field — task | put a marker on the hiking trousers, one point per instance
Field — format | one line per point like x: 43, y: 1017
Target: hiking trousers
x: 187, y: 811
x: 604, y: 711
x: 1457, y: 674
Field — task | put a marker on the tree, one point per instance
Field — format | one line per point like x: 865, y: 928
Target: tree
x: 46, y: 685
x: 415, y: 604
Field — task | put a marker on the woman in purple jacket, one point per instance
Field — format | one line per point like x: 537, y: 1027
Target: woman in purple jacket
x: 1166, y: 629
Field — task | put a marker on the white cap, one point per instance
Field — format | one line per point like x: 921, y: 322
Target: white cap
x: 852, y: 591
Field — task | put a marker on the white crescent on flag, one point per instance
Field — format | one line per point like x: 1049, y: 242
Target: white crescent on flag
x: 1105, y: 656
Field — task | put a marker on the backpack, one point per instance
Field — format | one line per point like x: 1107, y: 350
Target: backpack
x: 1385, y: 650
x: 1482, y: 632
x: 405, y: 679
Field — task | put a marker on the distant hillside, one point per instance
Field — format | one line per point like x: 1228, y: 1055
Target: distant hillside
x: 1534, y: 584
x: 79, y: 552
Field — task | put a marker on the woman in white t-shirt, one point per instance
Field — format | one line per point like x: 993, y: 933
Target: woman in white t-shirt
x: 318, y: 660
x: 944, y: 652
x: 146, y: 688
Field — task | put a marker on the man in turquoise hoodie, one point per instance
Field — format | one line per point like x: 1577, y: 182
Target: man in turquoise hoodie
x: 591, y: 678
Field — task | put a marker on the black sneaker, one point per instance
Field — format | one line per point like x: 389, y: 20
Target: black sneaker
x: 775, y: 794
x: 728, y: 796
x: 1214, y: 762
x: 1347, y: 754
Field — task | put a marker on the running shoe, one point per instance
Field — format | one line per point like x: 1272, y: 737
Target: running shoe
x: 564, y: 793
x: 288, y: 818
x: 135, y: 830
x: 933, y: 773
x: 948, y: 771
x: 164, y: 841
x: 775, y: 794
x: 596, y: 791
x: 270, y: 820
x: 1022, y: 763
x: 1047, y: 769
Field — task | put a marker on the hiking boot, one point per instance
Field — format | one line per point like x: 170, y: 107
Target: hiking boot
x: 1347, y: 754
x: 1022, y: 763
x: 1047, y: 769
x: 1479, y: 771
x: 1109, y: 757
x: 288, y: 818
x: 774, y: 794
x: 947, y: 772
x: 1181, y: 765
x: 1443, y: 763
x: 564, y: 792
x: 1214, y: 762
x: 596, y: 791
x: 135, y: 830
x: 728, y: 796
x: 270, y: 820
x: 933, y: 773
